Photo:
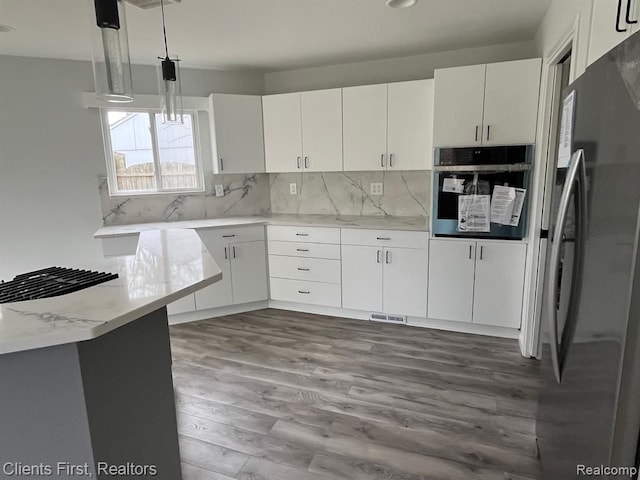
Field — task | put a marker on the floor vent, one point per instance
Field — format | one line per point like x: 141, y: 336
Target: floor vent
x: 381, y: 317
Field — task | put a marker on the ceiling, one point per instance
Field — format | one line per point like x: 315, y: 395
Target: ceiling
x: 271, y: 35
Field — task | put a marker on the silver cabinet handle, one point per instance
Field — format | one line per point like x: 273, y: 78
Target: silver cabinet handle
x: 302, y: 234
x: 383, y: 238
x: 304, y: 292
x: 387, y: 257
x: 618, y: 28
x: 226, y: 257
x: 233, y: 249
x: 221, y: 163
x: 488, y: 131
x: 628, y: 18
x: 303, y: 269
x: 391, y: 159
x: 229, y: 236
x: 302, y: 249
x: 378, y: 256
x: 298, y: 162
x: 306, y: 162
x: 481, y: 252
x: 382, y: 160
x: 477, y: 127
x: 470, y: 249
x: 576, y: 177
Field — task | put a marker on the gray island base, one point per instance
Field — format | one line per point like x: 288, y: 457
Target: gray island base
x: 100, y: 408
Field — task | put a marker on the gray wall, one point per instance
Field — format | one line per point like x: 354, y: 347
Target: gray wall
x: 392, y: 69
x: 51, y: 156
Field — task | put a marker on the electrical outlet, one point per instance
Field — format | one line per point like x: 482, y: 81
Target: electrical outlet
x: 375, y: 188
x: 293, y: 189
x: 219, y: 191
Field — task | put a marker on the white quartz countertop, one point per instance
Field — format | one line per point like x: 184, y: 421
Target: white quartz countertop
x: 169, y: 264
x: 368, y: 222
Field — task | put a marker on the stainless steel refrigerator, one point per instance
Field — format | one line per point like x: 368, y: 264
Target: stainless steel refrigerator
x: 589, y: 414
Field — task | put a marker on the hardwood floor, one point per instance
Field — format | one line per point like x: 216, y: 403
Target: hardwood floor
x: 278, y: 395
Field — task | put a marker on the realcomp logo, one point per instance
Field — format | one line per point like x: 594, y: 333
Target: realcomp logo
x: 600, y: 470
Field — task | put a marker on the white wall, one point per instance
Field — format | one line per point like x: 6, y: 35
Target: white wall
x: 51, y: 155
x: 393, y: 69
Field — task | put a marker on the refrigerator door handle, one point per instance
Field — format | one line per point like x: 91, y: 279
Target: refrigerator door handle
x: 576, y: 177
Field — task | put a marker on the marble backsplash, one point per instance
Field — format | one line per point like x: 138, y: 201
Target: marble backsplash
x: 347, y: 193
x: 335, y: 193
x: 243, y: 195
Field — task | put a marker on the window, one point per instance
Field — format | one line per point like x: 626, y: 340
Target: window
x: 146, y: 156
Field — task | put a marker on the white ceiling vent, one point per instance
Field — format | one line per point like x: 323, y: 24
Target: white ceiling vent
x: 147, y: 4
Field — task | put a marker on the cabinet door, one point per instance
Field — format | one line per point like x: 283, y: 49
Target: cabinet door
x: 405, y: 281
x: 410, y: 128
x: 362, y: 277
x: 237, y: 134
x: 364, y: 116
x: 219, y: 293
x: 249, y: 271
x: 603, y: 35
x: 451, y: 267
x: 183, y: 305
x: 458, y: 106
x: 282, y: 132
x: 499, y: 284
x: 511, y: 102
x: 322, y: 130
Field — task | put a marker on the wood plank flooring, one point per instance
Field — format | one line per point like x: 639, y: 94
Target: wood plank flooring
x: 278, y: 395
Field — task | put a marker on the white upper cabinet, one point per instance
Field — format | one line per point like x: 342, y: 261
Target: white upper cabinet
x: 608, y: 29
x: 364, y: 127
x: 303, y: 131
x: 388, y: 127
x: 410, y: 125
x: 458, y: 106
x: 236, y: 133
x: 282, y: 132
x: 322, y: 130
x: 511, y: 102
x: 495, y: 104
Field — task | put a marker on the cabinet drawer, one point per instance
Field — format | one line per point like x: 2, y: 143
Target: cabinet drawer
x: 119, y: 246
x: 314, y: 269
x: 301, y: 291
x: 384, y: 238
x: 308, y: 250
x: 250, y: 233
x: 304, y: 234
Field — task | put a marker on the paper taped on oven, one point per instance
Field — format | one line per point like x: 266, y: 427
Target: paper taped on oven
x: 506, y: 205
x: 473, y: 213
x: 453, y: 185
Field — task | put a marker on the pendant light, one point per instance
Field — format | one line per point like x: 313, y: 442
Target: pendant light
x: 169, y: 82
x: 110, y: 46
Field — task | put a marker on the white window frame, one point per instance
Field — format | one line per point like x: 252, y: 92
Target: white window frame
x: 111, y: 170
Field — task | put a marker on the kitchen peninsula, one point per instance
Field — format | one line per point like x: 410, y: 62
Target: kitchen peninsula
x: 86, y: 377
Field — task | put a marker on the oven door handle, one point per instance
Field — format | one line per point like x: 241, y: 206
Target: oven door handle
x: 499, y: 168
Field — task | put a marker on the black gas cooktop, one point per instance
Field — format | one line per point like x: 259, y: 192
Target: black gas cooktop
x: 50, y: 282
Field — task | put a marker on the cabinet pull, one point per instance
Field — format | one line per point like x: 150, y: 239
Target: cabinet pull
x: 302, y: 234
x: 221, y: 163
x: 628, y: 18
x: 391, y: 159
x: 378, y: 256
x: 618, y: 29
x: 229, y: 236
x: 302, y: 249
x: 306, y: 162
x: 477, y: 127
x: 234, y: 251
x: 488, y: 131
x: 382, y: 160
x: 470, y: 248
x: 226, y: 257
x: 298, y: 162
x: 383, y: 238
x: 481, y: 252
x: 304, y: 292
x: 387, y: 256
x: 303, y: 269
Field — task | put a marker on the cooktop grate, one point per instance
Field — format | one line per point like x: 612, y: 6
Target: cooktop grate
x: 50, y: 282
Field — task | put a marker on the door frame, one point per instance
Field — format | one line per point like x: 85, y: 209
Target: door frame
x: 529, y: 338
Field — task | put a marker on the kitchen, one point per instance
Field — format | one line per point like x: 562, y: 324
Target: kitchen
x: 338, y: 209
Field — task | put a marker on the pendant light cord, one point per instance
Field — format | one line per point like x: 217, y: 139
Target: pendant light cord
x: 164, y: 31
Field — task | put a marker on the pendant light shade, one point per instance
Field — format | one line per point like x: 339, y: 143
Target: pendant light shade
x: 169, y: 85
x: 110, y: 46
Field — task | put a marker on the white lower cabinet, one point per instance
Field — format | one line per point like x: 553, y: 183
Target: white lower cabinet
x: 477, y: 281
x: 183, y: 305
x: 302, y: 291
x: 248, y: 272
x: 385, y: 279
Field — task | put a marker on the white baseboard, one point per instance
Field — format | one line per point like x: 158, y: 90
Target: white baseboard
x: 216, y: 312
